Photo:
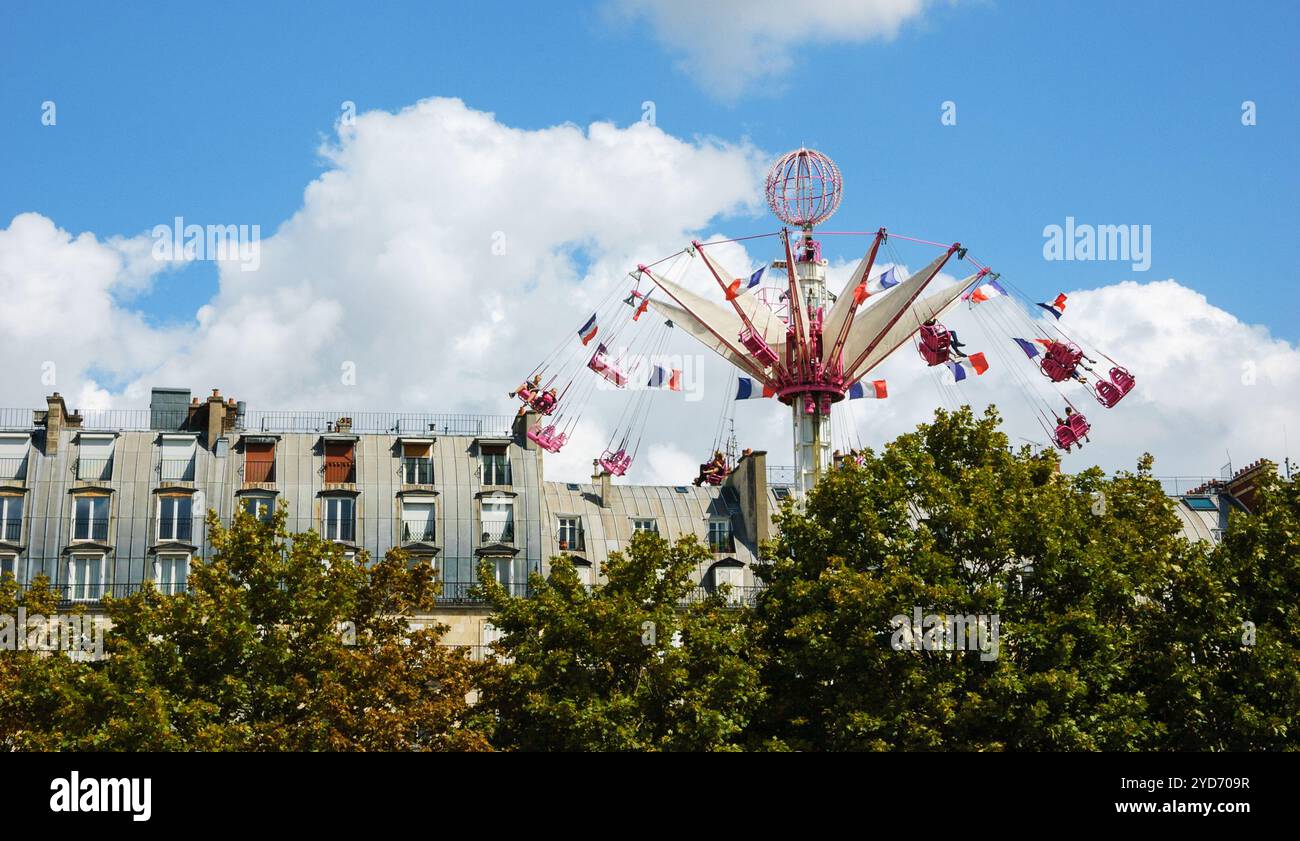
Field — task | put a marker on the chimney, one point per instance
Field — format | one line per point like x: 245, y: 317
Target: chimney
x: 600, y: 478
x: 54, y: 422
x: 749, y: 480
x: 1244, y: 484
x: 520, y: 430
x: 216, y: 418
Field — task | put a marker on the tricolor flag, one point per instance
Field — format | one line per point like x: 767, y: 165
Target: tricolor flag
x: 1028, y: 346
x: 755, y: 278
x: 992, y: 289
x: 747, y: 389
x: 645, y: 305
x: 874, y: 389
x: 662, y: 377
x: 885, y: 280
x: 1057, y: 307
x: 975, y: 362
x: 733, y: 289
x: 588, y: 331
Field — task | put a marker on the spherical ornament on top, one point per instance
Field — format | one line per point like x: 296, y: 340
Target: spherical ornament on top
x: 804, y: 188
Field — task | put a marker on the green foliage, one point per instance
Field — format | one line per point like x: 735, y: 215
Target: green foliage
x: 1115, y: 632
x: 621, y: 666
x: 277, y: 645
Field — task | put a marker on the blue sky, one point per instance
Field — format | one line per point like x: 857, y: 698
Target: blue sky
x: 1109, y: 112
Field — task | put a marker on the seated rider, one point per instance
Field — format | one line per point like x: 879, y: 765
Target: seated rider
x: 1069, y: 416
x: 528, y: 387
x: 713, y: 467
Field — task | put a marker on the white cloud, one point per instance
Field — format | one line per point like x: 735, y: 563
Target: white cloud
x: 389, y: 265
x: 731, y: 46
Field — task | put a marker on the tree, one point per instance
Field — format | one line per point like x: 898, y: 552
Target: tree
x: 622, y: 665
x: 278, y: 644
x: 950, y: 521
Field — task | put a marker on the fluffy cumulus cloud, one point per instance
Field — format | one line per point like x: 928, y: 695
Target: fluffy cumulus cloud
x: 730, y: 46
x: 443, y: 254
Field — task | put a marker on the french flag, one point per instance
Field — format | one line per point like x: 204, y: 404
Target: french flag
x: 985, y: 292
x: 975, y: 362
x: 747, y: 389
x: 588, y: 331
x: 662, y: 377
x: 875, y: 390
x: 1057, y: 307
x: 755, y: 278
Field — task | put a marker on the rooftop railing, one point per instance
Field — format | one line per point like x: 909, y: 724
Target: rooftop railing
x: 392, y: 423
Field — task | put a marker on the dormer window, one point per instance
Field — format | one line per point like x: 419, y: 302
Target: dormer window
x: 177, y: 460
x: 95, y: 458
x: 720, y: 539
x: 338, y: 518
x: 259, y: 462
x: 340, y: 462
x: 417, y: 462
x: 495, y: 463
x: 11, y: 518
x: 13, y: 455
x: 418, y: 520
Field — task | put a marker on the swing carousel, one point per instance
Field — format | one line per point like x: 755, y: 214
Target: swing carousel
x: 796, y: 341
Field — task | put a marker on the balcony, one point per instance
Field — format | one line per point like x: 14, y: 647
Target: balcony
x: 13, y: 468
x: 92, y: 529
x: 417, y: 471
x: 722, y: 544
x: 94, y: 469
x: 11, y: 530
x: 497, y: 533
x: 68, y: 595
x: 418, y: 531
x: 176, y: 469
x: 736, y: 596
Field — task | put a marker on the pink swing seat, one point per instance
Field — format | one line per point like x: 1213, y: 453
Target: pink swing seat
x: 547, y: 437
x: 615, y: 463
x: 935, y: 344
x: 757, y: 346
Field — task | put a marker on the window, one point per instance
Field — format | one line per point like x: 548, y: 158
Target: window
x: 338, y: 514
x: 174, y: 518
x: 781, y: 492
x: 176, y: 463
x: 498, y: 519
x: 258, y: 507
x: 8, y: 566
x: 13, y: 456
x: 418, y: 520
x: 170, y: 573
x: 95, y: 458
x: 733, y: 578
x: 85, y: 578
x: 259, y: 462
x: 570, y: 533
x: 340, y: 462
x: 645, y: 524
x: 495, y: 459
x: 11, y: 518
x: 417, y: 463
x: 1200, y: 503
x: 720, y: 536
x: 90, y: 518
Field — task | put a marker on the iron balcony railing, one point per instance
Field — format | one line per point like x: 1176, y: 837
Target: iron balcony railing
x: 176, y: 528
x: 70, y: 594
x: 23, y: 419
x: 11, y: 529
x: 340, y: 530
x: 735, y: 596
x: 497, y: 533
x: 722, y: 544
x: 417, y: 470
x: 496, y: 470
x: 176, y: 469
x: 13, y: 468
x: 94, y: 469
x: 418, y: 531
x: 90, y: 528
